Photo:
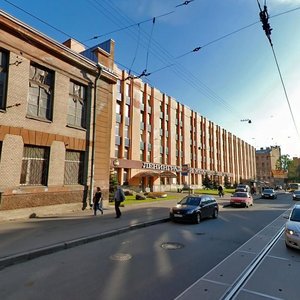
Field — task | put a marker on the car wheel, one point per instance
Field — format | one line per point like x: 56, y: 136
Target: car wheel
x: 246, y: 205
x: 215, y: 213
x: 287, y: 245
x: 198, y: 218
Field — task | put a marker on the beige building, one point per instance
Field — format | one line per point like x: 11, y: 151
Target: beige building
x: 156, y: 139
x: 266, y: 172
x: 48, y: 107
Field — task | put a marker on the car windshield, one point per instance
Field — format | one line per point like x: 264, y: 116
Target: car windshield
x: 295, y: 216
x: 241, y: 195
x: 190, y: 201
x: 268, y: 191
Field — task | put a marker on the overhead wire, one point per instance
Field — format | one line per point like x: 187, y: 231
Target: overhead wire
x: 264, y: 17
x: 179, y: 70
x: 129, y: 26
x: 202, y: 88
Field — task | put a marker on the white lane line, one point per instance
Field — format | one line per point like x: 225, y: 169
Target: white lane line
x: 262, y: 295
x: 221, y: 262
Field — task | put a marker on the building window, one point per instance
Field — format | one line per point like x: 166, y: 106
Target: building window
x: 126, y: 131
x: 40, y: 92
x: 3, y: 78
x: 116, y: 151
x: 74, y: 164
x: 126, y: 152
x: 35, y: 165
x: 117, y: 129
x: 77, y: 105
x: 141, y: 154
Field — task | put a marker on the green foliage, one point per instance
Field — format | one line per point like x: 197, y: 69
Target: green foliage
x: 206, y: 181
x: 113, y: 183
x: 283, y: 162
x: 294, y: 171
x: 226, y: 182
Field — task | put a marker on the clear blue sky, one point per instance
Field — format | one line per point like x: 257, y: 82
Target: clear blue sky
x: 228, y: 80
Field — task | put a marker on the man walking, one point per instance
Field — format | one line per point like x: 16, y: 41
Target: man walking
x: 119, y: 197
x: 98, y: 201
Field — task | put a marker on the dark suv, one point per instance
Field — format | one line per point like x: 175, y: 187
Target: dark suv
x: 194, y: 208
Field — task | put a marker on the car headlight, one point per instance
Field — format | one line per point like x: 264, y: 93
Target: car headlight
x: 292, y: 232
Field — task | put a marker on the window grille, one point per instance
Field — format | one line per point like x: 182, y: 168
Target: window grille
x: 77, y: 105
x: 35, y: 165
x: 40, y: 92
x: 74, y: 165
x: 3, y: 77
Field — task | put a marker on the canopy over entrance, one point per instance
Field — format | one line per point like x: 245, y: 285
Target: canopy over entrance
x: 147, y: 174
x: 167, y: 174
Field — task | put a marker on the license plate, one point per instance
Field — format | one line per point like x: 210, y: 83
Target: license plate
x: 177, y: 215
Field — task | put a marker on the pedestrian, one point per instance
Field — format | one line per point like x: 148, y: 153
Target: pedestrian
x: 220, y: 189
x: 98, y: 201
x: 119, y: 197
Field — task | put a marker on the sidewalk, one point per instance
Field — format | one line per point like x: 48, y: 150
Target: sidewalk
x: 54, y: 228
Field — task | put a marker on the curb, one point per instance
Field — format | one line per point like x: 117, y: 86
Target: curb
x: 29, y: 255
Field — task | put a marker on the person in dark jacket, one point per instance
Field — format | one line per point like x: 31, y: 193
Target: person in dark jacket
x: 119, y: 197
x: 98, y: 201
x: 221, y: 192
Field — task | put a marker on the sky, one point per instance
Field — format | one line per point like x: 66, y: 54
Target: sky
x: 235, y: 76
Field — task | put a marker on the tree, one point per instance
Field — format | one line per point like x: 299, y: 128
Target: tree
x: 283, y: 162
x: 294, y: 171
x: 113, y: 183
x: 226, y: 182
x: 206, y: 181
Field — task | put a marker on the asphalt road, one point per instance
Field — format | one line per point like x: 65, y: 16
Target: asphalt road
x: 157, y: 262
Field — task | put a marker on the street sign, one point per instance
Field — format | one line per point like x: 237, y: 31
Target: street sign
x: 185, y: 169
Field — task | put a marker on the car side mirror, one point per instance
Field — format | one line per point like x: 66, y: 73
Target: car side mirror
x: 285, y: 216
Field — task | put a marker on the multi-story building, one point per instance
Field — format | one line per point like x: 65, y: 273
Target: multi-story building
x: 69, y: 117
x: 48, y: 109
x: 156, y: 138
x: 266, y: 160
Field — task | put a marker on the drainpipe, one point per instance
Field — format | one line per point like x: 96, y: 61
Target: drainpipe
x: 99, y: 69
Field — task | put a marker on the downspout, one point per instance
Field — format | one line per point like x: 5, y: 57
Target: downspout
x: 99, y: 69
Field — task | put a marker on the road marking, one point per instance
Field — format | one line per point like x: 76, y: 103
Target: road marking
x: 240, y: 281
x: 261, y: 294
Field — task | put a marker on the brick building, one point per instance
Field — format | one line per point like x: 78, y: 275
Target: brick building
x: 48, y: 106
x: 266, y: 160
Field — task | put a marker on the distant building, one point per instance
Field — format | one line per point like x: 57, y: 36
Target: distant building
x: 266, y: 172
x: 159, y: 143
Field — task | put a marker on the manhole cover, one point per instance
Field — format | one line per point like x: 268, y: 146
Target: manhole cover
x: 121, y: 256
x: 171, y: 246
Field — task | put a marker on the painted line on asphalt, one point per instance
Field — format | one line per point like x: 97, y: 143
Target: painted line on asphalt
x: 32, y: 254
x: 220, y: 263
x: 237, y: 285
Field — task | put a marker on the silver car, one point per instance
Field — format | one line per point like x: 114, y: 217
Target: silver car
x: 296, y: 195
x: 292, y: 229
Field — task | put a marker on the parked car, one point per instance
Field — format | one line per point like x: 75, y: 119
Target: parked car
x: 241, y: 199
x: 194, y: 208
x: 296, y: 195
x: 242, y: 188
x: 268, y: 194
x: 292, y: 228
